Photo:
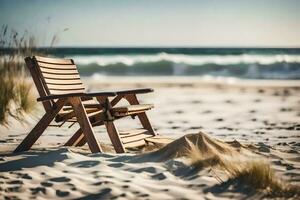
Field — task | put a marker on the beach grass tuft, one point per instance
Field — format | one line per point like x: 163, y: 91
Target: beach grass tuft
x: 14, y: 87
x: 15, y: 84
x: 259, y: 175
x: 7, y: 94
x: 24, y: 96
x: 253, y: 172
x: 16, y: 96
x: 200, y: 159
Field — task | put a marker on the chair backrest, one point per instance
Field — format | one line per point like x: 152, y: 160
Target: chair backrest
x: 54, y: 76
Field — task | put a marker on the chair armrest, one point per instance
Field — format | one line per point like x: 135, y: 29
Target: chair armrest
x: 134, y: 91
x: 96, y: 94
x: 61, y: 96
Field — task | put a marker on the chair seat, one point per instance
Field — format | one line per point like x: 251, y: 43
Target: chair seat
x: 69, y: 115
x: 127, y: 108
x: 131, y: 109
x: 93, y: 109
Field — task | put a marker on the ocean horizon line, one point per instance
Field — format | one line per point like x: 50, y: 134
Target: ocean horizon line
x: 160, y: 47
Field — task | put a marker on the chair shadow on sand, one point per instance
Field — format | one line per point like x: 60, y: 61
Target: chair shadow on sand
x: 33, y: 159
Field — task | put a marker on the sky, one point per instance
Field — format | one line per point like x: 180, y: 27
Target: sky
x: 157, y: 23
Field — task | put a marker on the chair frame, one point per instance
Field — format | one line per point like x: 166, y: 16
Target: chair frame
x: 53, y: 104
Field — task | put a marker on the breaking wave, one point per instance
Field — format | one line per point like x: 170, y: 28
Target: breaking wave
x: 279, y: 66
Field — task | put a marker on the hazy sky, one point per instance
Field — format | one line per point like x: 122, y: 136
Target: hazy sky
x: 158, y: 22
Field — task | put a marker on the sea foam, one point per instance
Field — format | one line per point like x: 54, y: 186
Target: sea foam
x: 254, y: 66
x: 103, y: 60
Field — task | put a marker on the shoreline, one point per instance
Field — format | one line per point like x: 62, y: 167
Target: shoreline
x: 190, y: 81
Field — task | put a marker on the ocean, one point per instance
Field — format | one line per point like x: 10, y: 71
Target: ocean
x: 245, y: 63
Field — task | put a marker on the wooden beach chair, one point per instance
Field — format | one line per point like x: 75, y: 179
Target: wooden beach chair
x: 64, y: 99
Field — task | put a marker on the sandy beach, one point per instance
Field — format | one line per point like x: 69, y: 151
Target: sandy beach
x: 219, y: 82
x: 261, y: 117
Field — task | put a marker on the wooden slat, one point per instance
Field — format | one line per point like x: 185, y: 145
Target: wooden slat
x: 87, y: 106
x: 65, y: 91
x: 133, y: 132
x: 133, y: 108
x: 68, y: 109
x: 61, y: 76
x: 58, y: 71
x: 122, y: 114
x: 69, y: 115
x: 135, y: 138
x: 92, y: 113
x: 62, y: 82
x: 53, y: 60
x: 55, y: 66
x: 54, y: 85
x: 135, y: 144
x: 90, y: 102
x: 65, y: 87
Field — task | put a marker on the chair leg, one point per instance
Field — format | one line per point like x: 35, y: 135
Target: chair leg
x: 114, y: 137
x: 111, y: 129
x: 78, y: 138
x: 75, y: 139
x: 85, y: 124
x: 132, y: 99
x: 81, y: 142
x: 39, y: 128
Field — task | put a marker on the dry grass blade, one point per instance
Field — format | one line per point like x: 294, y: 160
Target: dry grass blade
x: 24, y: 96
x: 7, y: 94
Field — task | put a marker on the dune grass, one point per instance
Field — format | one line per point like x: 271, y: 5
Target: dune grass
x: 7, y: 94
x: 254, y: 172
x: 24, y: 96
x: 16, y: 97
x: 15, y: 85
x: 259, y: 175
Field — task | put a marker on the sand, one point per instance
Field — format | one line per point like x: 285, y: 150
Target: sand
x: 262, y: 116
